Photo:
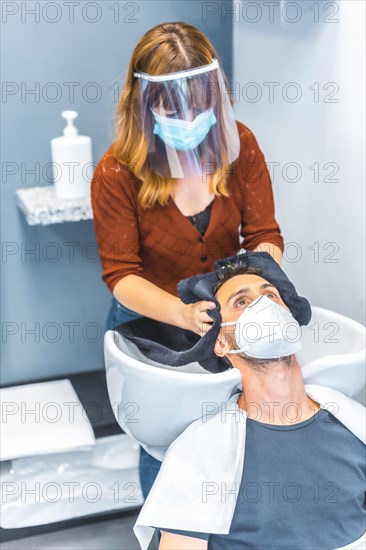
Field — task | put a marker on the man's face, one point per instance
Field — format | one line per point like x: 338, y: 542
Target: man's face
x: 234, y: 296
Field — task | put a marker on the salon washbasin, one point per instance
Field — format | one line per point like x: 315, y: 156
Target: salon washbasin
x: 333, y: 352
x: 154, y: 403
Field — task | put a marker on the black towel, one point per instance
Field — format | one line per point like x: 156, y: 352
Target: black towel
x: 185, y: 346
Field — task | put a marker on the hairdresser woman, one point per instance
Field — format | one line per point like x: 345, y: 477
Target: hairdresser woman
x: 178, y: 185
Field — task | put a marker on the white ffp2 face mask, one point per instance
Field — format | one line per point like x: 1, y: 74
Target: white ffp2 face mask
x: 266, y: 330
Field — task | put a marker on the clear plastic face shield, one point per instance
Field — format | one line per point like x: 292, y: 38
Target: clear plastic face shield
x: 188, y: 121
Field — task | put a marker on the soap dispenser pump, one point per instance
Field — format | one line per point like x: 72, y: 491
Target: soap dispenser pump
x: 72, y: 162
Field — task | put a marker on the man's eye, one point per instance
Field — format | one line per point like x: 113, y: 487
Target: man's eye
x: 271, y: 295
x: 240, y: 302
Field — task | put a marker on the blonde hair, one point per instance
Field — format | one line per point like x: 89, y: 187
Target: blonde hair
x: 167, y: 47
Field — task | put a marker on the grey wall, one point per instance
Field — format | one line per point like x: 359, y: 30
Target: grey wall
x: 315, y: 145
x: 48, y: 290
x: 312, y: 132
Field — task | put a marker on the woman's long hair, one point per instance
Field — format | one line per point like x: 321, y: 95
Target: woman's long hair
x: 167, y: 47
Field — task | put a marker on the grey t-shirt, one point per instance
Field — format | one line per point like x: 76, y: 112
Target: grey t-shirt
x: 303, y: 487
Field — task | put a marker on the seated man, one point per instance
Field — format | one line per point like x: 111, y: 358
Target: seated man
x: 302, y: 483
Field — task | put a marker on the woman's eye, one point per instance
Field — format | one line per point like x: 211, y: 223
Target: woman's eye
x: 171, y: 110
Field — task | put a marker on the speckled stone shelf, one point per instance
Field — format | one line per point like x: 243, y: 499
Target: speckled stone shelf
x: 41, y: 206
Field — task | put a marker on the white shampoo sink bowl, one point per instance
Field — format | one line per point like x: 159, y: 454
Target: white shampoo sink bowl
x: 154, y: 403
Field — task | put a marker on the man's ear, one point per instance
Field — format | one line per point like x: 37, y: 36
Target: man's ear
x: 222, y: 345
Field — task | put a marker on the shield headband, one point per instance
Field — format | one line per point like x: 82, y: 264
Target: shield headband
x: 188, y: 121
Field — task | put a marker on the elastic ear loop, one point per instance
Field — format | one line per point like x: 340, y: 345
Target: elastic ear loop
x: 227, y: 324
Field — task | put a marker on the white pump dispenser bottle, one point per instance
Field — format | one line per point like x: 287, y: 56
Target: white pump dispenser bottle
x: 72, y: 162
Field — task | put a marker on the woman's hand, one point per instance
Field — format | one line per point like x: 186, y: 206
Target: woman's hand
x: 142, y: 296
x: 195, y: 317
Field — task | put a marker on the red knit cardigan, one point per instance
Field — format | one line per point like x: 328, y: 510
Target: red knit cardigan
x: 160, y: 244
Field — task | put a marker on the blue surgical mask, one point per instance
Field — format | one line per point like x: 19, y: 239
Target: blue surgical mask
x: 184, y: 135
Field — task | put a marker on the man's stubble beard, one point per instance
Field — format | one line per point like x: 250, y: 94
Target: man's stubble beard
x: 263, y: 366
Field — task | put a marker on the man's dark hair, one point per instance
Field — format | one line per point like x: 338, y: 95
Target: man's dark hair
x: 241, y: 267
